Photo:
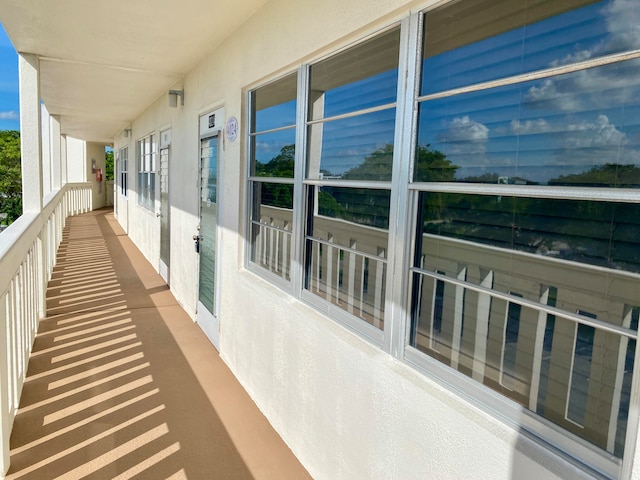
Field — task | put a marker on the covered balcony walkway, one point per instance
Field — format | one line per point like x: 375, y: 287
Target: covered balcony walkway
x: 122, y: 384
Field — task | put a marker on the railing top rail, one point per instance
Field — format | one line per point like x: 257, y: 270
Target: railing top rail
x: 17, y: 239
x: 592, y: 322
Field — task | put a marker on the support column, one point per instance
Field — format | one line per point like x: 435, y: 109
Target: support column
x: 30, y: 132
x: 63, y: 160
x: 47, y: 165
x: 31, y: 147
x: 56, y: 157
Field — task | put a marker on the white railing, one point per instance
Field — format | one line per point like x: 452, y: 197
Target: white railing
x: 27, y: 257
x: 348, y: 261
x: 510, y: 320
x: 466, y: 298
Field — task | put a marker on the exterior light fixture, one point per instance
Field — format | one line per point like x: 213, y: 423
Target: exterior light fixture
x: 173, y: 97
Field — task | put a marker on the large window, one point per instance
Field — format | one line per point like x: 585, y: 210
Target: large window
x: 271, y: 172
x: 146, y: 160
x: 494, y: 174
x: 530, y: 110
x: 350, y: 127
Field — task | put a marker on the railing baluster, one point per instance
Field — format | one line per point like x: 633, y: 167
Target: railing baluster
x: 5, y: 385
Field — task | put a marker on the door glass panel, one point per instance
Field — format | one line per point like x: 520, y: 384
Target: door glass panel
x: 208, y: 221
x: 164, y: 206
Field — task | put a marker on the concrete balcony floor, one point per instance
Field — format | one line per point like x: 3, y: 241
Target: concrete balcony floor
x: 122, y: 384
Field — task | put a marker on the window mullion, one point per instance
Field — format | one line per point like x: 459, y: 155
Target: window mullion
x: 396, y: 319
x: 297, y: 248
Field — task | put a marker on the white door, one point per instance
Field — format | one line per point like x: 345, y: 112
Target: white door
x: 165, y: 208
x: 207, y: 236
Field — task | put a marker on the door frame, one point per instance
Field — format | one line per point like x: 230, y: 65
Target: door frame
x: 165, y: 143
x: 211, y: 125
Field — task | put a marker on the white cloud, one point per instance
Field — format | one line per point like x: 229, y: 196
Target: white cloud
x: 596, y: 87
x: 466, y: 136
x: 530, y: 127
x: 580, y: 56
x: 465, y: 129
x: 596, y: 142
x: 10, y: 115
x: 550, y: 92
x: 623, y: 24
x: 601, y: 134
x: 622, y: 20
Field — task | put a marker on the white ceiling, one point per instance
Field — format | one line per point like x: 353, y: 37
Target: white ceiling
x: 103, y: 62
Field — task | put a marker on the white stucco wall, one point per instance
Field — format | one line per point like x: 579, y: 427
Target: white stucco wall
x: 76, y: 160
x: 347, y: 409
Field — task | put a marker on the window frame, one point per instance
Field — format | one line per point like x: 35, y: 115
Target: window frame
x: 252, y: 180
x: 595, y: 459
x: 123, y: 171
x: 146, y: 166
x: 405, y: 194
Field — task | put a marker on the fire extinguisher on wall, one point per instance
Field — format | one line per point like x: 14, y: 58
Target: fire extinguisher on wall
x: 99, y: 175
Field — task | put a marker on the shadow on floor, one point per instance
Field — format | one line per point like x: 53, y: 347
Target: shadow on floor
x: 122, y: 384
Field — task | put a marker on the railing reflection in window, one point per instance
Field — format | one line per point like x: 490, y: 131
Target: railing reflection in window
x: 271, y: 227
x: 547, y: 346
x: 346, y: 249
x: 271, y: 171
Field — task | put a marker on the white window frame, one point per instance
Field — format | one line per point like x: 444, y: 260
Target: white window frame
x: 146, y: 164
x: 395, y: 337
x: 123, y: 171
x: 284, y: 236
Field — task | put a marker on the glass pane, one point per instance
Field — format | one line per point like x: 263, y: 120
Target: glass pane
x: 208, y: 222
x: 274, y: 154
x: 165, y: 243
x: 577, y: 256
x: 580, y: 128
x: 595, y: 233
x: 354, y: 205
x: 346, y: 249
x: 151, y: 194
x: 355, y: 148
x: 480, y: 40
x: 142, y: 188
x: 272, y: 196
x: 361, y: 77
x: 581, y: 374
x: 271, y: 228
x: 274, y: 105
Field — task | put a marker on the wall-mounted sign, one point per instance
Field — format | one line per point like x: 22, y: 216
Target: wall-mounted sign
x: 232, y: 129
x: 212, y: 123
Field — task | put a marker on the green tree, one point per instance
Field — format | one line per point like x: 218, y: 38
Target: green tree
x: 108, y: 165
x: 378, y: 165
x: 280, y: 166
x: 433, y: 166
x: 371, y: 207
x: 607, y: 175
x: 10, y: 175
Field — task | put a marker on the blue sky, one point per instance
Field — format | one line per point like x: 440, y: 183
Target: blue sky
x: 542, y: 129
x: 536, y: 130
x: 9, y: 99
